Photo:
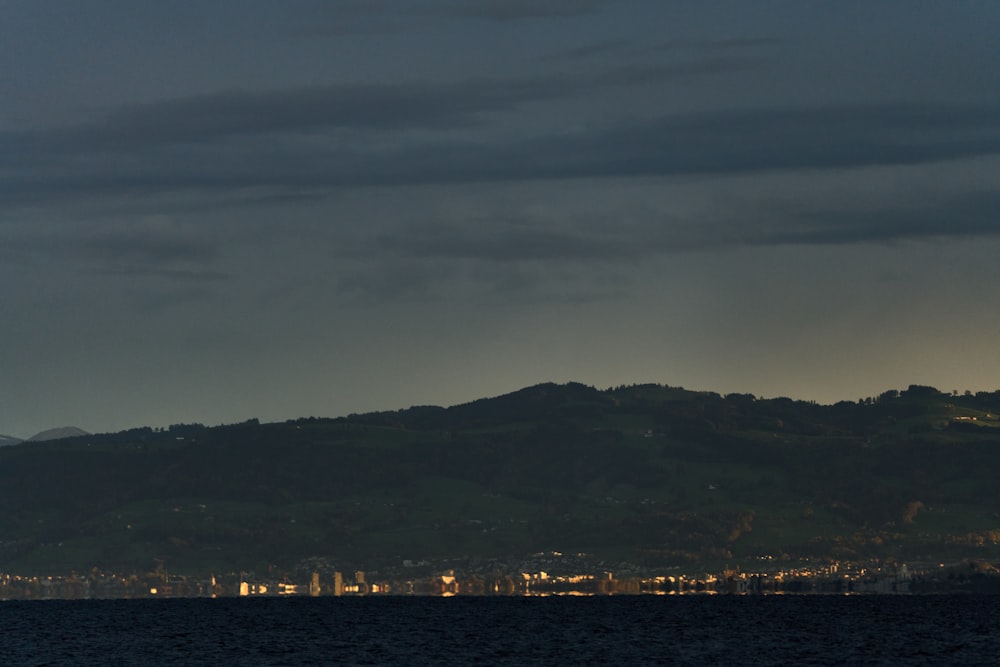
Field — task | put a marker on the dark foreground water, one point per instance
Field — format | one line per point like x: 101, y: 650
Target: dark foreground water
x: 773, y: 630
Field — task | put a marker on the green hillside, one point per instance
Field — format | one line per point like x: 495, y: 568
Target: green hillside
x: 648, y: 474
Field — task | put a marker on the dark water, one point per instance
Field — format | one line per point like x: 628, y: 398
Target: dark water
x: 773, y: 630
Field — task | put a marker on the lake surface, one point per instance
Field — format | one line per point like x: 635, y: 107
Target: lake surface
x: 768, y: 630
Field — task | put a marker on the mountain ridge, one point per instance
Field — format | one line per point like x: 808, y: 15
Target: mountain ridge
x: 649, y: 474
x: 57, y: 433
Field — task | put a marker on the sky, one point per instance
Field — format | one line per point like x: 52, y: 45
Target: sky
x: 220, y: 210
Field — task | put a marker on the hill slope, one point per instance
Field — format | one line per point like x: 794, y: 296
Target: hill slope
x: 57, y: 434
x: 648, y: 474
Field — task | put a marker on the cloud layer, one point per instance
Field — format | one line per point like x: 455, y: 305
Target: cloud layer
x: 313, y: 207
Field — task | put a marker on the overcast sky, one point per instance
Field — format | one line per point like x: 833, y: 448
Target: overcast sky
x: 225, y: 209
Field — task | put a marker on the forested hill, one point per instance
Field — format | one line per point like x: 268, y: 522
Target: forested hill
x: 648, y: 474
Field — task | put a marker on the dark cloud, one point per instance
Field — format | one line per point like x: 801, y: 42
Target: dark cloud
x: 499, y: 242
x: 672, y: 74
x: 402, y: 279
x: 214, y: 117
x: 586, y: 51
x: 704, y: 143
x: 146, y: 249
x: 185, y: 275
x: 720, y: 142
x: 153, y: 246
x: 309, y: 111
x: 456, y: 275
x: 383, y: 16
x: 719, y: 44
x: 255, y: 139
x: 810, y: 138
x: 968, y: 215
x: 621, y: 46
x: 513, y: 10
x: 313, y: 142
x: 596, y: 224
